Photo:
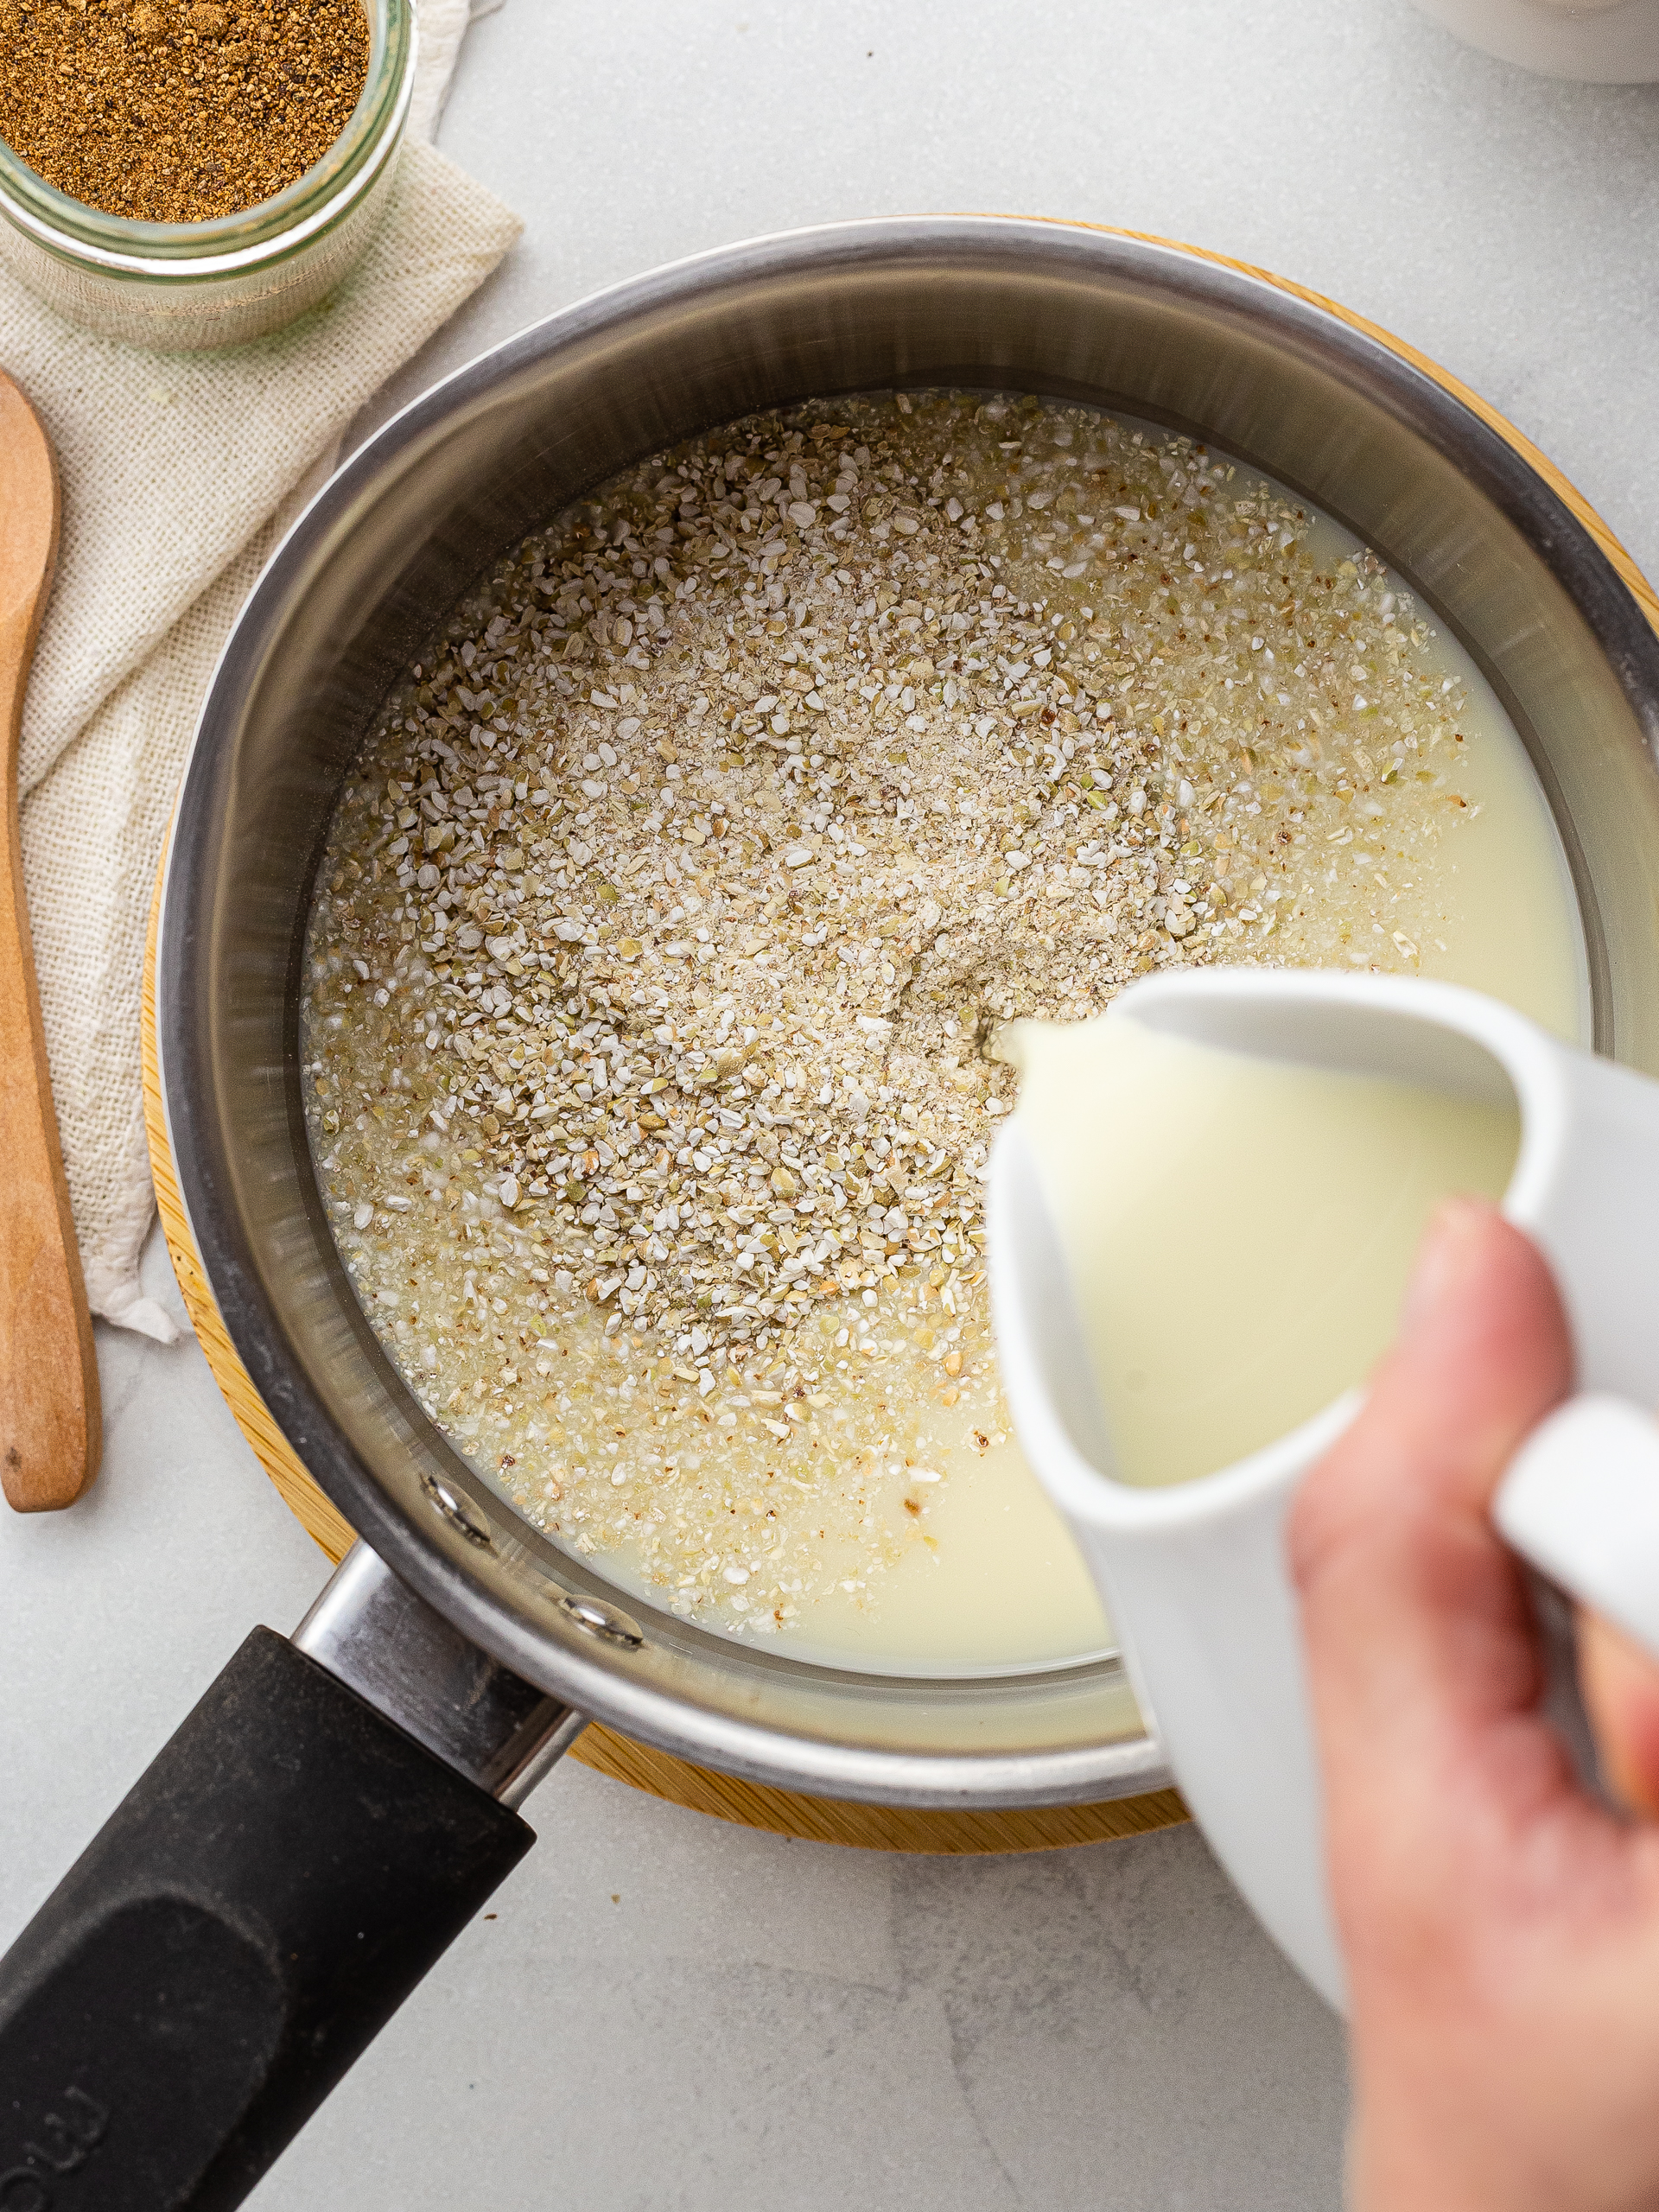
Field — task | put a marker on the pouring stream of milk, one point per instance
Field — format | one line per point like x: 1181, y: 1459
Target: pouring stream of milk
x: 1239, y: 1230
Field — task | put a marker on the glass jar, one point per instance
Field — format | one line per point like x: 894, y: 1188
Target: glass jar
x: 185, y: 287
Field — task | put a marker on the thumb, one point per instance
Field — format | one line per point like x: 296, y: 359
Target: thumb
x: 1620, y: 1683
x: 1414, y: 1615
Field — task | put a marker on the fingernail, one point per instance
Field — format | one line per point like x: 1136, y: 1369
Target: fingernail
x: 1440, y: 1263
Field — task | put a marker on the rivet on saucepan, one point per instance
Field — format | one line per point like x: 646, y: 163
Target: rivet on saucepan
x: 459, y: 1511
x: 598, y: 1618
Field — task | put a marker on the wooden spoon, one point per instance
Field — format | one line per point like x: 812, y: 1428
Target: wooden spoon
x: 51, y: 1425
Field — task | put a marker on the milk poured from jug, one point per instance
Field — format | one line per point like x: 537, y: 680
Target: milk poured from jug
x: 1238, y: 1230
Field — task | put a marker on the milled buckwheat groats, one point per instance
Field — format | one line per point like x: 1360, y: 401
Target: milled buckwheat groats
x: 178, y: 110
x: 667, y: 923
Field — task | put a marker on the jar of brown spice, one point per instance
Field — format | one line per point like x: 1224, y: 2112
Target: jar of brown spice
x: 189, y: 284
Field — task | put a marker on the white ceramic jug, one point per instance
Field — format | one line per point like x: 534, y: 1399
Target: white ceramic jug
x: 1195, y: 1575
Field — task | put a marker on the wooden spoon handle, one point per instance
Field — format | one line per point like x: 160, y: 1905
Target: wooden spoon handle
x: 51, y: 1423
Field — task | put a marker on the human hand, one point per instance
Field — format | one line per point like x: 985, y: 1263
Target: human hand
x: 1501, y: 1928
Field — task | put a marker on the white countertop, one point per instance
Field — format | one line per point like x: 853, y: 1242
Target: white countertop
x: 669, y: 2014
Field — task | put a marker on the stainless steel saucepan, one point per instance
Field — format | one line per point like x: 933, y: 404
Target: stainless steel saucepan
x: 340, y: 1804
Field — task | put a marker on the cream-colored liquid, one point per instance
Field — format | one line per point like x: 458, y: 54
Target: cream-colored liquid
x: 1000, y: 1580
x: 1507, y: 916
x: 1239, y: 1230
x: 1447, y: 865
x: 987, y: 1579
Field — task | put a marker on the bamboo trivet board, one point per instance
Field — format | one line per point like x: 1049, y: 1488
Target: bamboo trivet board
x: 752, y: 1804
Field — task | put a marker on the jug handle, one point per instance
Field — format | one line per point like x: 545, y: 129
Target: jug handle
x: 1580, y: 1502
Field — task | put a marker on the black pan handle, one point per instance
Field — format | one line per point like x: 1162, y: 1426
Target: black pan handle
x: 239, y: 1931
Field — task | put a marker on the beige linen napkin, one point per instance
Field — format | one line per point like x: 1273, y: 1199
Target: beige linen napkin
x: 179, y: 473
